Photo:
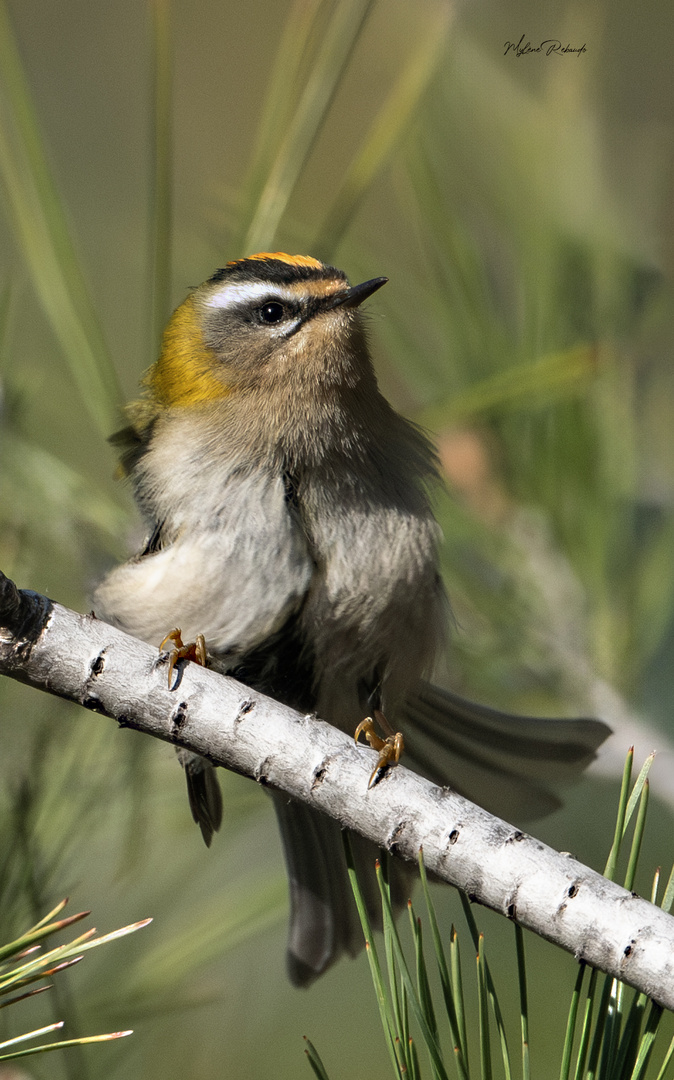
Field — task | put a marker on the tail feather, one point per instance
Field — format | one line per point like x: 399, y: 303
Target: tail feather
x: 204, y: 793
x: 324, y: 921
x: 502, y: 761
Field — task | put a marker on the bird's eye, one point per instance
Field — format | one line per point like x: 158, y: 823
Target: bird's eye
x: 271, y: 312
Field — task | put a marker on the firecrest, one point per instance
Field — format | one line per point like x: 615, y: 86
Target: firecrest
x: 291, y: 539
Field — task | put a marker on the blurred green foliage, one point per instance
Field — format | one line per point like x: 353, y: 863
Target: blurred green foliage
x: 521, y: 208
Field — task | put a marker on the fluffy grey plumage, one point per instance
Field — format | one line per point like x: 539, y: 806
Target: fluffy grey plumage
x: 290, y: 524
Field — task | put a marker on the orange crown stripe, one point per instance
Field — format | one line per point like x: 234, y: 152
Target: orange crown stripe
x: 292, y: 260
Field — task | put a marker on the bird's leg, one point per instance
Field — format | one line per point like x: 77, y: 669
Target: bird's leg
x: 390, y: 748
x: 194, y: 650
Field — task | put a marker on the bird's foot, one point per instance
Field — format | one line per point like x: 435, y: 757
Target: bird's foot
x: 390, y: 747
x: 194, y: 650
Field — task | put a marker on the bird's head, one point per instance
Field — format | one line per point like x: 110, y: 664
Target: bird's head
x: 272, y: 323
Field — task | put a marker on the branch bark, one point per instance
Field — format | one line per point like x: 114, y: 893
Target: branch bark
x: 80, y: 658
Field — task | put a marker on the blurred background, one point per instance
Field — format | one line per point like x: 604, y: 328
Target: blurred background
x: 521, y: 204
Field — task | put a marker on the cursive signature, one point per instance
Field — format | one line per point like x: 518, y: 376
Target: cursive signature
x: 547, y: 47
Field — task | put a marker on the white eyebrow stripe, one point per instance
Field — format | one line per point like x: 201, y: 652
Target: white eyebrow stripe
x: 232, y: 294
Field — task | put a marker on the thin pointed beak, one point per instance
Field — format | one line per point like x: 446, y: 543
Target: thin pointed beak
x: 354, y: 297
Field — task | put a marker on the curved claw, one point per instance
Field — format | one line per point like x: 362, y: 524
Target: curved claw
x: 194, y: 650
x: 390, y: 749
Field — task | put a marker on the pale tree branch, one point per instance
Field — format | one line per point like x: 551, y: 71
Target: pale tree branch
x: 80, y: 658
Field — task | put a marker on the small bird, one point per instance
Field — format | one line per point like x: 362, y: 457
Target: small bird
x: 291, y: 539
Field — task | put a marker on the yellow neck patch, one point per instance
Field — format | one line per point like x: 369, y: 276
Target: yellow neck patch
x: 183, y: 374
x: 292, y: 260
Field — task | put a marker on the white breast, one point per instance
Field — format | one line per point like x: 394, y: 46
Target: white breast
x: 235, y: 563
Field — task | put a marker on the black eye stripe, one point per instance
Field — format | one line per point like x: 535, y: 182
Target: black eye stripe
x: 276, y: 310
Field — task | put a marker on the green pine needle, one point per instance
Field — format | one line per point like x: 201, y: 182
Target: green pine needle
x: 314, y: 1060
x: 524, y: 1005
x: 571, y: 1024
x: 483, y: 1012
x: 611, y: 862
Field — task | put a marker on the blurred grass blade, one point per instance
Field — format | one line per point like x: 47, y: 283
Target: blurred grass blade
x: 611, y: 862
x: 635, y: 794
x: 413, y: 1058
x: 17, y: 982
x: 619, y: 1050
x: 483, y: 1012
x: 399, y: 1000
x: 223, y: 925
x: 411, y: 1055
x: 114, y: 935
x: 388, y: 127
x: 339, y: 40
x: 653, y: 589
x: 587, y: 1026
x: 496, y: 1008
x: 518, y: 386
x: 43, y: 237
x: 398, y: 997
x: 647, y: 1040
x: 30, y: 1035
x: 5, y: 314
x: 67, y: 1042
x: 22, y: 997
x: 457, y: 995
x: 600, y: 1027
x: 42, y: 963
x: 629, y: 1040
x: 314, y: 1060
x: 280, y: 97
x: 655, y: 886
x: 62, y: 904
x: 524, y: 1005
x: 665, y: 1065
x: 386, y: 1017
x: 33, y: 475
x: 637, y: 838
x: 423, y: 985
x: 612, y: 1022
x: 161, y: 192
x: 445, y: 981
x: 668, y: 898
x: 420, y: 1016
x: 27, y: 940
x: 571, y: 1024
